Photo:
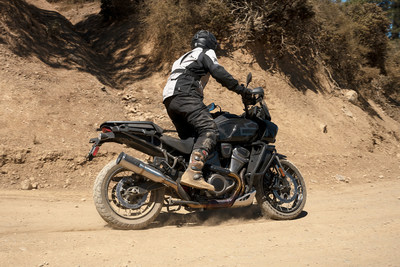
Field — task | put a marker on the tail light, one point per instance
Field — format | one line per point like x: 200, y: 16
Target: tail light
x: 105, y: 130
x: 94, y: 153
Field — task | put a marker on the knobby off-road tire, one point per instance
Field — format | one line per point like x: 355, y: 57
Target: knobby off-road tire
x: 270, y: 201
x: 113, y: 211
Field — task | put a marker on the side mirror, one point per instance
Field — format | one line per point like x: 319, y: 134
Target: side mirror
x: 249, y: 78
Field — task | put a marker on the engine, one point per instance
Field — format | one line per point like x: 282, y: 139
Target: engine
x: 224, y: 184
x: 240, y: 156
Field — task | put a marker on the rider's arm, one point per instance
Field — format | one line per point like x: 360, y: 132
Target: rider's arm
x: 210, y: 62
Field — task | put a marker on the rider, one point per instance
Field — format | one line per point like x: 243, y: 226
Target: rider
x: 183, y: 99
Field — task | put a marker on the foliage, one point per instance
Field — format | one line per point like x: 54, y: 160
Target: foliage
x: 349, y: 40
x: 117, y: 9
x: 171, y: 24
x: 337, y: 43
x: 392, y: 87
x: 371, y: 26
x: 354, y: 45
x: 392, y: 9
x: 280, y: 23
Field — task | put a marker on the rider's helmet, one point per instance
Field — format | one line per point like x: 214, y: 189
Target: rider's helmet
x: 204, y: 39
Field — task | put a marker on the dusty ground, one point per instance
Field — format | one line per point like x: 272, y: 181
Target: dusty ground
x: 54, y: 94
x: 349, y: 226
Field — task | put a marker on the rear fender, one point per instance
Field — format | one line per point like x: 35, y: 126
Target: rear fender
x: 144, y: 142
x: 103, y: 137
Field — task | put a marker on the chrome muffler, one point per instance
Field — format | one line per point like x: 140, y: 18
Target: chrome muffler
x: 145, y: 170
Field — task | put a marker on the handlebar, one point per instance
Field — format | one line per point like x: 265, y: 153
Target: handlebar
x: 257, y: 95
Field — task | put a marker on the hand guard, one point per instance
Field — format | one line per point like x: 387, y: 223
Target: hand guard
x: 247, y: 94
x: 248, y: 97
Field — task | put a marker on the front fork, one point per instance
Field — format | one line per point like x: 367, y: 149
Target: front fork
x: 264, y: 163
x: 281, y: 185
x: 279, y: 167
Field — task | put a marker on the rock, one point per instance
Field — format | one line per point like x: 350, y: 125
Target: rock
x: 26, y: 185
x: 35, y: 185
x: 129, y: 97
x: 351, y: 96
x: 342, y: 178
x: 132, y: 110
x: 19, y: 158
x: 324, y: 128
x: 381, y: 176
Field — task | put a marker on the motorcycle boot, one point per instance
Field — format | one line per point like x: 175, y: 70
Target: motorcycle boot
x: 193, y: 176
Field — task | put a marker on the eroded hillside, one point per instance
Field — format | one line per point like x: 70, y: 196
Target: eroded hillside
x: 61, y: 77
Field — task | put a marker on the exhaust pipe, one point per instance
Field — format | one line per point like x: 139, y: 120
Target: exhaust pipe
x: 144, y: 169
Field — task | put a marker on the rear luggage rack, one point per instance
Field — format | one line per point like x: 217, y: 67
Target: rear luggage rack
x: 132, y: 126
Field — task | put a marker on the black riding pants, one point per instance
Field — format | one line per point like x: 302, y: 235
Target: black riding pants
x: 192, y: 119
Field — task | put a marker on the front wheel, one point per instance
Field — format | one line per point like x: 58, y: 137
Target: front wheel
x: 122, y: 202
x: 282, y: 197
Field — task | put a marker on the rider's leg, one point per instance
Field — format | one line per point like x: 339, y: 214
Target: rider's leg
x: 189, y: 114
x: 205, y: 144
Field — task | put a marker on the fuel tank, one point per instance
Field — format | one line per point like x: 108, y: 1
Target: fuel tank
x: 233, y: 128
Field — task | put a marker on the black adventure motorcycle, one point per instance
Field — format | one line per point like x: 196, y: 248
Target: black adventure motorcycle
x: 129, y: 194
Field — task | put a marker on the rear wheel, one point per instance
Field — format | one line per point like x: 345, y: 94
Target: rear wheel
x: 282, y: 198
x: 122, y: 202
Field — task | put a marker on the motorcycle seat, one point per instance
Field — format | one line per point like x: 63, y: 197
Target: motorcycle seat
x: 146, y: 125
x: 183, y: 146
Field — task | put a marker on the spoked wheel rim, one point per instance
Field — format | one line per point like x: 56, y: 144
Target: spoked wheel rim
x: 125, y: 197
x: 285, y: 194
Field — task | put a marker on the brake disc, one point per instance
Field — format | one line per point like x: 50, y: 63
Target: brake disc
x: 285, y: 191
x: 129, y: 195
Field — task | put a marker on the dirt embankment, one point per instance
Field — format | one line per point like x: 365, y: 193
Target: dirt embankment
x: 61, y: 77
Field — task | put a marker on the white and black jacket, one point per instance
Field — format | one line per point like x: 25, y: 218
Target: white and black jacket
x: 190, y: 74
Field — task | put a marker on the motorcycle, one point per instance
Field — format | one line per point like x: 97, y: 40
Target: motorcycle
x: 129, y: 193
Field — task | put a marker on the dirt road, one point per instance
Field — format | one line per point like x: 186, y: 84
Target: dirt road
x: 349, y: 225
